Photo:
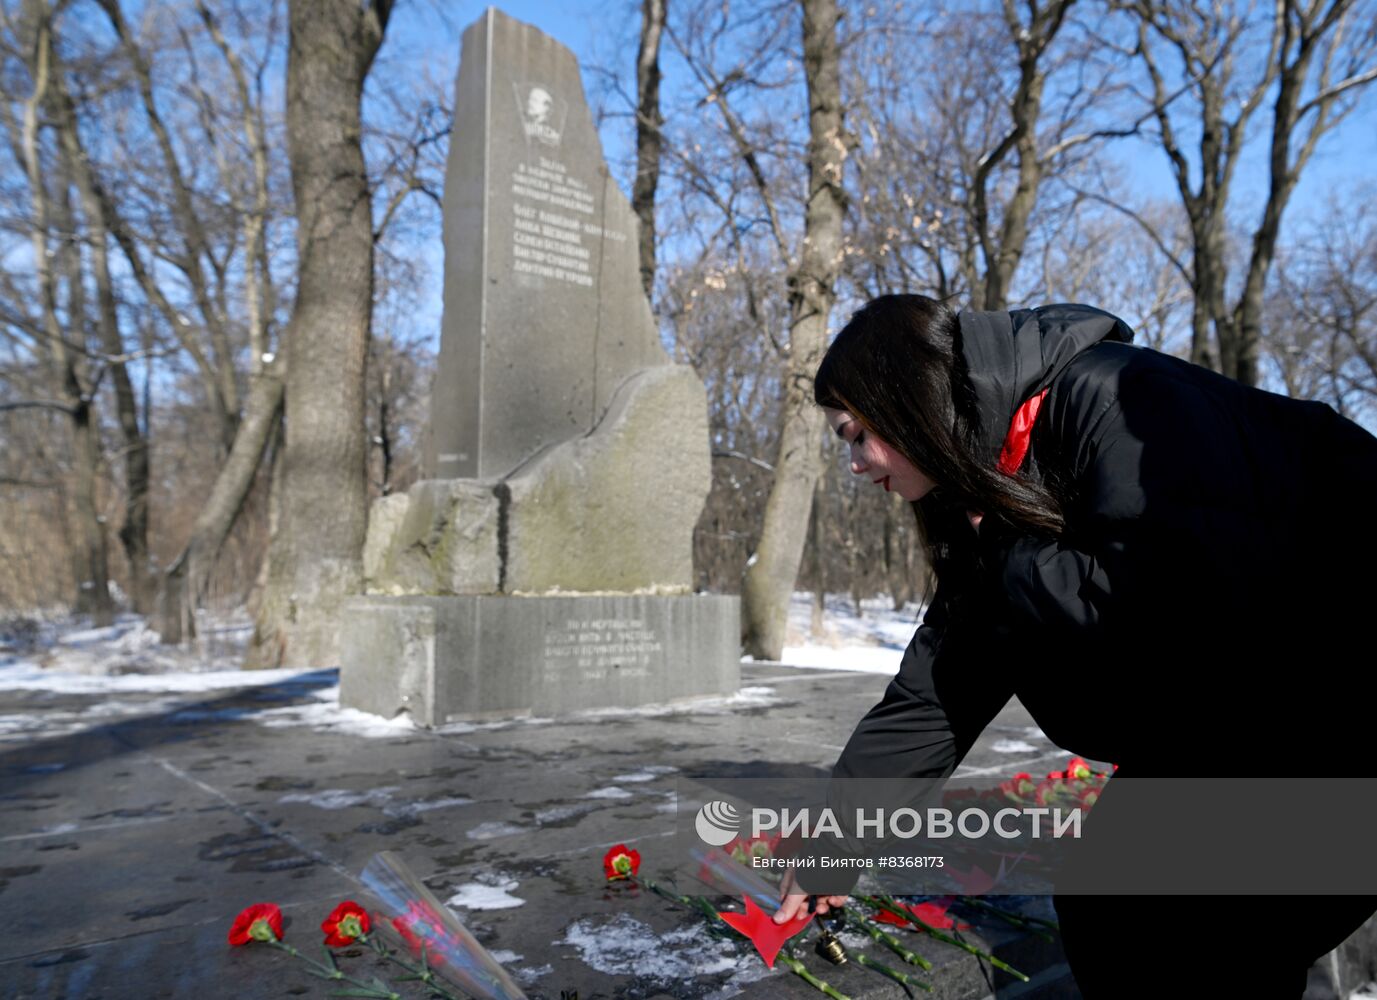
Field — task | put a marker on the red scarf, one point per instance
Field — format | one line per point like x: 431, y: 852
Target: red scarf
x: 1020, y: 431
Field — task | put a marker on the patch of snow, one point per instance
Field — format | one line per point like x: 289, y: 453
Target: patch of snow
x: 872, y: 643
x: 746, y: 697
x: 493, y: 830
x: 459, y: 728
x: 505, y: 956
x: 529, y: 974
x: 325, y: 714
x: 412, y: 808
x: 860, y: 660
x: 610, y: 792
x: 649, y: 773
x: 477, y: 896
x: 343, y: 798
x: 558, y: 814
x: 376, y: 798
x: 624, y: 946
x: 1012, y: 746
x: 24, y: 676
x: 132, y: 645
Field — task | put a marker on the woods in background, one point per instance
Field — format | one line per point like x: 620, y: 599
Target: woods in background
x: 194, y: 371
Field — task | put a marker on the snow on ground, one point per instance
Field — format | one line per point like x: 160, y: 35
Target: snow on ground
x: 135, y: 675
x: 872, y: 643
x: 625, y: 946
x: 129, y: 646
x: 495, y: 894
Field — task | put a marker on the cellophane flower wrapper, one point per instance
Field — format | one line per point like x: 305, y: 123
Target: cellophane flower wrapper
x: 720, y: 870
x: 451, y: 951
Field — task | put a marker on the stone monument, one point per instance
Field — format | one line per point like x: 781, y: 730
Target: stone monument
x: 545, y: 563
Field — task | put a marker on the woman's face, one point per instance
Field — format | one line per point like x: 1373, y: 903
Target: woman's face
x: 873, y: 457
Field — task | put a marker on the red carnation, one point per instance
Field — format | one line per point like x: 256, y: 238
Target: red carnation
x: 621, y: 862
x: 346, y: 922
x: 1089, y: 797
x: 259, y: 922
x: 1077, y: 768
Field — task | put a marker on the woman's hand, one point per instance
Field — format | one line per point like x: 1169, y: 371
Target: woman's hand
x: 796, y: 903
x: 974, y: 516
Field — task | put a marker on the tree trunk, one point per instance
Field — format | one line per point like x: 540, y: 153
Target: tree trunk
x: 1002, y: 259
x: 89, y: 555
x: 770, y: 576
x: 316, y: 555
x: 816, y: 627
x: 648, y: 137
x: 134, y: 532
x: 186, y: 581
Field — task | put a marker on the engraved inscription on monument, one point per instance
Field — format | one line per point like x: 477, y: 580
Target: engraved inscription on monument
x: 547, y: 231
x: 593, y: 646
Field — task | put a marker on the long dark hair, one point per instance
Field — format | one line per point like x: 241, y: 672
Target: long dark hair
x: 897, y: 366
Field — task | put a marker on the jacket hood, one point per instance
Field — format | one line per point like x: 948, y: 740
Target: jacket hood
x: 1012, y: 356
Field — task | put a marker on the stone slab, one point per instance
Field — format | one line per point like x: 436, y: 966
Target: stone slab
x: 440, y: 537
x: 471, y: 657
x: 613, y: 510
x: 544, y: 314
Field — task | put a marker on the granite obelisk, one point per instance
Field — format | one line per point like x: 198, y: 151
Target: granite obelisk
x: 545, y: 563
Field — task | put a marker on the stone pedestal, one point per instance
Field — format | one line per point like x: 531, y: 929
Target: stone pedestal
x: 444, y: 659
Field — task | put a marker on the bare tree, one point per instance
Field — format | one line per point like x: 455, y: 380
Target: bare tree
x: 952, y: 168
x: 315, y: 561
x: 59, y: 330
x: 769, y: 579
x: 649, y: 141
x: 1098, y: 255
x: 1319, y: 55
x: 1321, y: 310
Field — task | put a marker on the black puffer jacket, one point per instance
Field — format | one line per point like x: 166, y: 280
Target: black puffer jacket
x: 1208, y: 601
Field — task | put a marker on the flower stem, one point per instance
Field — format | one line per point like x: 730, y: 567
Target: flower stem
x: 698, y: 903
x: 1033, y: 924
x: 888, y: 940
x: 888, y: 903
x: 894, y: 974
x: 421, y: 973
x: 802, y: 972
x: 330, y: 972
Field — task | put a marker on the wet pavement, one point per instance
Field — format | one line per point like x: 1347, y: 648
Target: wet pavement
x: 135, y: 826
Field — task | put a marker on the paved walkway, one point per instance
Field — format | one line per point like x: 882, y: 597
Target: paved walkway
x: 133, y: 829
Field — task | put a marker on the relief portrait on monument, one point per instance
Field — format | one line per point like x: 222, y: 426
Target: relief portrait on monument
x: 542, y: 116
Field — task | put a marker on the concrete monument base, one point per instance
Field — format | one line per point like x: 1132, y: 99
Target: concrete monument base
x: 444, y: 659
